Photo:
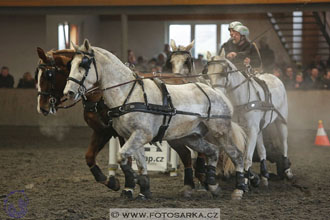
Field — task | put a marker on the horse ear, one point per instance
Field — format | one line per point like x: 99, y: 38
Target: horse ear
x: 208, y: 56
x: 222, y: 54
x: 173, y: 45
x: 190, y: 46
x: 87, y: 44
x: 75, y: 47
x: 42, y: 55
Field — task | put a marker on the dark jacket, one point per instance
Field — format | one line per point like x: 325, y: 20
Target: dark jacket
x: 26, y: 84
x: 247, y: 49
x: 313, y: 84
x: 6, y: 82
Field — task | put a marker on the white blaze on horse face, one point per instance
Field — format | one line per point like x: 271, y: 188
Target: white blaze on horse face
x: 39, y: 90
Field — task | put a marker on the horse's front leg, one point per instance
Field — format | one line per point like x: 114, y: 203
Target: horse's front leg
x: 135, y: 147
x: 99, y: 139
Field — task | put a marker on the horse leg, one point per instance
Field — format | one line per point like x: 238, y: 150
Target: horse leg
x: 283, y: 131
x: 135, y: 146
x: 185, y: 156
x: 99, y: 139
x: 262, y: 155
x: 200, y: 168
x: 251, y: 144
x: 236, y: 156
x: 199, y: 144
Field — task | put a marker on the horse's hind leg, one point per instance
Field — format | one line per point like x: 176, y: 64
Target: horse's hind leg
x: 283, y: 131
x: 185, y: 156
x: 262, y: 155
x: 99, y: 139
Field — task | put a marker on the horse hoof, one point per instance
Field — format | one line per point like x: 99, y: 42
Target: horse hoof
x: 237, y: 194
x: 264, y: 181
x: 144, y: 197
x: 127, y: 194
x: 187, y: 191
x: 113, y: 183
x: 255, y: 181
x: 288, y: 174
x: 215, y: 190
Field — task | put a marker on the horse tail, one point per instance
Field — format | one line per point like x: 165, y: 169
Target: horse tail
x: 239, y: 136
x: 239, y: 139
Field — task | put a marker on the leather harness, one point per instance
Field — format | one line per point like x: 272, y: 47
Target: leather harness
x: 166, y: 109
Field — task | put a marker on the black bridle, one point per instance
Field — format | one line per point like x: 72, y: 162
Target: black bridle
x: 189, y: 61
x: 225, y: 66
x: 86, y: 61
x: 49, y: 72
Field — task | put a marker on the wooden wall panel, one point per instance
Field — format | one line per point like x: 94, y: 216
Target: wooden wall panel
x: 37, y: 3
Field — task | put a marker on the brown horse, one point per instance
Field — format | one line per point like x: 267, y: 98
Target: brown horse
x: 54, y: 67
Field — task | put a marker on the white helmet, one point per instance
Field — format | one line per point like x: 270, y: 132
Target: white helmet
x: 243, y: 30
x: 234, y: 24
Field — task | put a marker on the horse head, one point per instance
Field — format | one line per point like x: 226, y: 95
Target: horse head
x: 83, y: 73
x: 51, y: 75
x: 180, y: 61
x: 218, y: 69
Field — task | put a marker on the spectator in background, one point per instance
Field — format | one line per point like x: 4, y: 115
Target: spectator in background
x: 161, y: 60
x: 267, y: 55
x: 200, y: 62
x: 299, y: 82
x: 317, y: 63
x: 278, y: 72
x: 131, y: 59
x: 152, y: 65
x: 313, y: 81
x: 289, y: 78
x: 27, y: 81
x: 167, y: 50
x: 6, y: 80
x: 141, y: 65
x: 326, y: 80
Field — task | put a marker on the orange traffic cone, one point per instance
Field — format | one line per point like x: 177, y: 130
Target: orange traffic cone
x: 321, y: 137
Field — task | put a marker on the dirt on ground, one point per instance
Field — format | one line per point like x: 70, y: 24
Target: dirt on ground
x: 57, y: 183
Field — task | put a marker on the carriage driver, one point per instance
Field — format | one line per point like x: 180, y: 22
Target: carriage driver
x: 244, y: 53
x: 229, y: 45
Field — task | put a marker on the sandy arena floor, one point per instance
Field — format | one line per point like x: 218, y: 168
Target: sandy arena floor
x: 59, y: 185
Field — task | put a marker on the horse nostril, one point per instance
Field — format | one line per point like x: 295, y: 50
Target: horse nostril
x: 44, y: 112
x: 71, y: 94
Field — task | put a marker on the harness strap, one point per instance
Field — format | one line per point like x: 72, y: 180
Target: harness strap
x: 208, y: 98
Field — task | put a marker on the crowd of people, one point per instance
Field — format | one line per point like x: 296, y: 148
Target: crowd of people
x: 238, y: 49
x: 7, y: 80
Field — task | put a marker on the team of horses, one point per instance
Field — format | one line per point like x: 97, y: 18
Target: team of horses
x: 138, y: 110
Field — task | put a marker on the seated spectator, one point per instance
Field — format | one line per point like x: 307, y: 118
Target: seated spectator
x: 326, y: 80
x: 27, y: 81
x: 152, y: 65
x: 313, y: 81
x: 317, y: 63
x: 200, y: 62
x: 161, y: 60
x: 141, y: 65
x: 167, y: 50
x: 6, y: 80
x: 131, y: 59
x: 289, y: 78
x: 278, y: 72
x: 299, y: 82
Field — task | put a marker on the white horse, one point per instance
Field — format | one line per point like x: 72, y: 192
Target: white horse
x: 181, y: 62
x: 254, y: 112
x: 92, y: 64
